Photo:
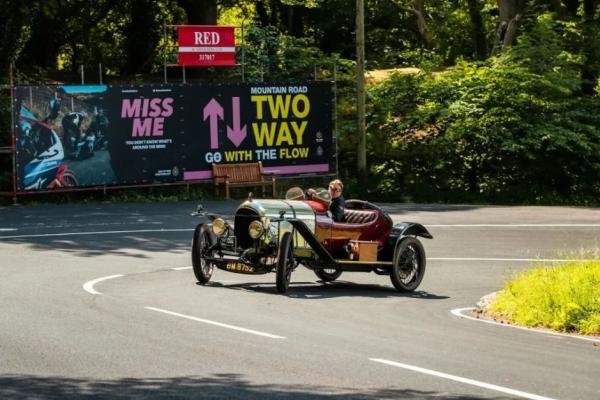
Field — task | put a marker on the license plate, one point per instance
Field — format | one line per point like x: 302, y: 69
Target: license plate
x: 227, y: 241
x: 238, y: 267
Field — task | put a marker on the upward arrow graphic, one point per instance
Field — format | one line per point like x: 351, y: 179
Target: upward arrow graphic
x: 214, y: 111
x: 236, y: 134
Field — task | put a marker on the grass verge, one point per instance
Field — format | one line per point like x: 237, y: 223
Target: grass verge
x: 565, y: 298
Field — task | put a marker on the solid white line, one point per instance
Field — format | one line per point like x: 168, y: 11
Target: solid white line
x: 459, y: 313
x: 513, y: 225
x: 89, y: 286
x: 206, y: 321
x: 95, y: 233
x: 542, y: 260
x: 180, y: 268
x: 468, y: 381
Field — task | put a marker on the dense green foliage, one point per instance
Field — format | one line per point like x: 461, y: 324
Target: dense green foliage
x: 514, y: 128
x: 564, y: 298
x: 505, y: 108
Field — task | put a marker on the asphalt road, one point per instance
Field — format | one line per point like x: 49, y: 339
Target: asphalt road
x: 142, y: 328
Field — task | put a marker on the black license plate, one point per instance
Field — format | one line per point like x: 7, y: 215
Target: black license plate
x: 227, y: 241
x: 238, y: 267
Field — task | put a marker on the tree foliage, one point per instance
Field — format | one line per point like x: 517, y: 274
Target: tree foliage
x: 504, y: 108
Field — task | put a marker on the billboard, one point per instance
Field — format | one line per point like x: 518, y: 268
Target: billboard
x: 78, y: 136
x: 205, y: 45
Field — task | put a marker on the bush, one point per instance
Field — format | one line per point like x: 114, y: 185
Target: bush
x: 515, y: 129
x: 565, y: 298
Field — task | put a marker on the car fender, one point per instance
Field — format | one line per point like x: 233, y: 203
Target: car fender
x: 404, y: 229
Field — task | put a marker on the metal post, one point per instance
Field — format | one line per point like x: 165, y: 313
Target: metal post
x: 82, y: 76
x: 335, y: 114
x: 100, y: 72
x: 183, y: 71
x: 361, y: 151
x: 165, y: 51
x: 315, y: 73
x: 13, y: 128
x: 243, y: 52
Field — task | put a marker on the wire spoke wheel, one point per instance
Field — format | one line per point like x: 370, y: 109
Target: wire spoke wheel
x: 203, y: 269
x: 408, y: 266
x: 285, y: 263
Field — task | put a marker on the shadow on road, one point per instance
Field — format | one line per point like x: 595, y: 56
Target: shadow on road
x: 323, y: 290
x: 218, y: 386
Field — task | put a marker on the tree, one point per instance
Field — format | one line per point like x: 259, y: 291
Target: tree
x: 510, y: 15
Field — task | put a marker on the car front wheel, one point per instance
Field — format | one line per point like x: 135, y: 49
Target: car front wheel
x: 285, y: 262
x: 203, y: 268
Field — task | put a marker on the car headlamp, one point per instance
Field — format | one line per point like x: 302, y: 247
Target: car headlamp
x: 219, y: 226
x: 256, y: 229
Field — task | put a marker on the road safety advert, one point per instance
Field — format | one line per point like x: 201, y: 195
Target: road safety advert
x: 82, y: 136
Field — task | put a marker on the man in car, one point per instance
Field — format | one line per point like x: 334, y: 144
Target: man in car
x: 336, y: 205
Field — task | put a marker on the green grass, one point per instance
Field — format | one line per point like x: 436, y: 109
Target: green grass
x: 565, y: 298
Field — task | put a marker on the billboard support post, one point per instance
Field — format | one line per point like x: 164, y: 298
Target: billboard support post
x: 82, y: 75
x: 165, y: 52
x: 100, y: 73
x: 12, y: 129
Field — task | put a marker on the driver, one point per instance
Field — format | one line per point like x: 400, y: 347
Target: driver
x: 336, y: 206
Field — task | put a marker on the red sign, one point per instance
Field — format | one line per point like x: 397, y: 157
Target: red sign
x: 206, y: 45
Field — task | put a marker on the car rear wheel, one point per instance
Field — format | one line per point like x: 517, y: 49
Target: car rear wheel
x: 285, y: 263
x: 408, y: 266
x: 203, y: 269
x: 328, y: 274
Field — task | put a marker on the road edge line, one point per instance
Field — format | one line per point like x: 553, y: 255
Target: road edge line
x: 458, y: 312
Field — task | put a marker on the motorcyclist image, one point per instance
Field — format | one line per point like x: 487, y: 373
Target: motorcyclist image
x: 54, y: 105
x: 75, y: 140
x: 98, y: 128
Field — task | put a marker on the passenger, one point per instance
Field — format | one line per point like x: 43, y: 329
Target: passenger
x: 336, y: 205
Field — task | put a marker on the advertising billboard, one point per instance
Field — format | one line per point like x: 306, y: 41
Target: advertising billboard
x: 81, y: 136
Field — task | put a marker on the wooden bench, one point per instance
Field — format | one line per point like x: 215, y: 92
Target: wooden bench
x: 241, y: 175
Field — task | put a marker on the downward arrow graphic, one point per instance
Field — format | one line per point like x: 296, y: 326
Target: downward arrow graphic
x: 214, y: 111
x: 236, y: 134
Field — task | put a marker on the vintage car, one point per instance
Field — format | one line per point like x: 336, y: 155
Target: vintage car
x: 279, y: 235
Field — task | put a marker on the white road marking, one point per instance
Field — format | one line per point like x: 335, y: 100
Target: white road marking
x: 7, y: 229
x: 459, y: 313
x: 542, y: 260
x: 89, y: 286
x: 95, y: 233
x: 180, y: 268
x: 222, y: 325
x: 513, y: 225
x: 467, y: 381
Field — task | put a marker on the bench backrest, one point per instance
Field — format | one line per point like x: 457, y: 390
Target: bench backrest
x: 236, y: 173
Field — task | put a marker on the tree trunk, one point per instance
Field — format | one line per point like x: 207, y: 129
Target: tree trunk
x: 419, y: 11
x: 200, y: 12
x: 478, y: 30
x: 510, y: 14
x: 143, y: 34
x: 591, y: 56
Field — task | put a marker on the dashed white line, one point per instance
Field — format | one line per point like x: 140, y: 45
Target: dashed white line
x: 7, y: 229
x: 460, y: 379
x: 94, y: 233
x: 89, y: 286
x: 459, y: 313
x: 180, y: 268
x: 220, y: 324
